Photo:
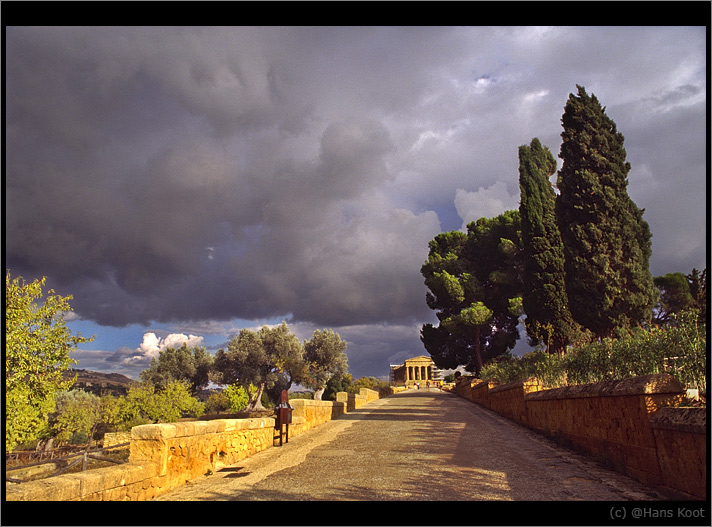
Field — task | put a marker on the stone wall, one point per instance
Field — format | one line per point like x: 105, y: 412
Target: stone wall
x: 357, y: 400
x: 680, y: 437
x: 615, y: 422
x: 508, y: 399
x: 165, y: 456
x: 480, y: 391
x: 116, y: 438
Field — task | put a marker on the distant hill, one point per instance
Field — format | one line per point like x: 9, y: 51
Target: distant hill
x: 100, y: 383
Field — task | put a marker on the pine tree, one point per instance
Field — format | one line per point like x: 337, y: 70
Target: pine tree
x: 471, y: 279
x: 607, y: 244
x: 544, y: 299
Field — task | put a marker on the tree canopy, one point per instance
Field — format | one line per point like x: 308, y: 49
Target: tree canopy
x: 182, y: 364
x: 544, y: 299
x: 37, y: 350
x: 607, y: 244
x: 266, y: 358
x: 680, y: 292
x: 471, y: 280
x: 325, y: 355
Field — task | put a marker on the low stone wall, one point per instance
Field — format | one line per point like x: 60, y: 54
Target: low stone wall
x: 463, y: 386
x: 616, y: 422
x: 680, y: 436
x: 314, y: 413
x: 480, y: 392
x: 508, y: 399
x: 165, y: 456
x: 609, y: 420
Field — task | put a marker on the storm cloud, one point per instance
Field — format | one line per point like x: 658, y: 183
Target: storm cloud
x: 179, y: 175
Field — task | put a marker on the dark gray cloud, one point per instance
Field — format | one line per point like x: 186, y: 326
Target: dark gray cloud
x: 197, y: 174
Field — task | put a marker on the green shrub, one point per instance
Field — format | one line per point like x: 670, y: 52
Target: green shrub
x: 679, y: 349
x: 301, y: 395
x: 217, y: 402
x: 238, y: 397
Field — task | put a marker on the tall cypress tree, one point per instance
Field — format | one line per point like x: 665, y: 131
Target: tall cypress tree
x: 607, y: 243
x: 544, y: 291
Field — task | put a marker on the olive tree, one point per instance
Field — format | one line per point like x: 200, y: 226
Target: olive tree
x: 325, y: 354
x: 265, y: 358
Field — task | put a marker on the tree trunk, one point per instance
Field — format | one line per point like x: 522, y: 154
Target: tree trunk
x: 256, y: 403
x: 318, y: 393
x: 478, y: 352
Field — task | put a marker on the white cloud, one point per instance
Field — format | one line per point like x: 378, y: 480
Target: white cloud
x: 485, y: 203
x: 152, y: 345
x: 533, y: 96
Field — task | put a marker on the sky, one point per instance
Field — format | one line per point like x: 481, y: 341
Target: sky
x: 182, y: 183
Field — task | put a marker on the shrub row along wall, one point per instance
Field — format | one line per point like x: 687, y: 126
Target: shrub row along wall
x: 624, y: 424
x: 165, y: 456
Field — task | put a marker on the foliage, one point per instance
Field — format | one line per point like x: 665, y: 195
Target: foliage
x: 325, y: 354
x: 238, y: 397
x: 372, y: 383
x: 271, y: 358
x: 37, y: 350
x: 301, y: 395
x: 182, y: 364
x: 77, y: 414
x: 217, y: 402
x: 538, y: 363
x: 144, y: 404
x: 607, y: 244
x: 698, y: 290
x: 680, y: 292
x: 285, y: 351
x: 474, y: 280
x: 544, y: 297
x: 679, y: 349
x: 338, y: 383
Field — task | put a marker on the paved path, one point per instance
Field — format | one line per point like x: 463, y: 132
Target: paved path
x: 415, y: 445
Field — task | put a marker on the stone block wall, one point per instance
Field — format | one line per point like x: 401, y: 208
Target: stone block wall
x: 187, y: 450
x: 609, y: 421
x: 165, y: 456
x: 625, y: 424
x: 479, y: 392
x: 680, y: 435
x: 508, y: 399
x: 316, y: 412
x: 357, y: 400
x: 116, y: 438
x: 161, y: 457
x: 463, y: 386
x: 371, y: 395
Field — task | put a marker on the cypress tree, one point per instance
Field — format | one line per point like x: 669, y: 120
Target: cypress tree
x: 544, y: 299
x: 607, y: 244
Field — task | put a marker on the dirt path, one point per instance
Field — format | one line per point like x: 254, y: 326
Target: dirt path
x: 418, y: 446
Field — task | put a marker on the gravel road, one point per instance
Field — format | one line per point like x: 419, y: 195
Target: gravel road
x: 416, y: 446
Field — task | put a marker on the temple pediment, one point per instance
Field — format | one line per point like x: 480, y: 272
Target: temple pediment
x: 415, y: 370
